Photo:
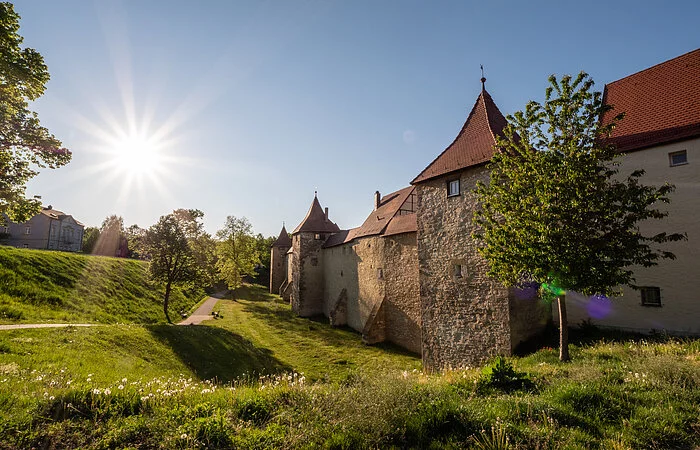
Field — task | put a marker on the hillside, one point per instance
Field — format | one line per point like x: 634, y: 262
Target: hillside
x: 47, y: 286
x: 158, y: 386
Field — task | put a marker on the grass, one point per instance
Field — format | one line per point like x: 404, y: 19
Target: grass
x: 47, y: 286
x: 133, y: 386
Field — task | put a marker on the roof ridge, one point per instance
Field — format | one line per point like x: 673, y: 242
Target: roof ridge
x: 464, y: 127
x: 654, y: 66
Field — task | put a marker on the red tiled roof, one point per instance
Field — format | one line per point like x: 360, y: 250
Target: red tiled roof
x: 661, y: 104
x: 473, y: 145
x: 316, y: 221
x: 405, y: 223
x: 283, y: 240
x: 381, y: 220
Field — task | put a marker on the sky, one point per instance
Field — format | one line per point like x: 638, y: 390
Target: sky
x: 245, y: 108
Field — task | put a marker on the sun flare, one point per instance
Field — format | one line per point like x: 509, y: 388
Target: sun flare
x: 137, y: 156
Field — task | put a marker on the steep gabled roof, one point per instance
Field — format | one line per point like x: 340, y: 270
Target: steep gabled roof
x: 661, y: 104
x: 386, y: 217
x: 473, y: 145
x: 58, y: 215
x: 316, y: 221
x: 283, y: 240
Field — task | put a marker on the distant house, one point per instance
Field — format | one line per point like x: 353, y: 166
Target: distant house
x: 50, y: 229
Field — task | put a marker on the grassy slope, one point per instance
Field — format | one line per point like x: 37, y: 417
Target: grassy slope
x: 47, y: 286
x: 627, y: 393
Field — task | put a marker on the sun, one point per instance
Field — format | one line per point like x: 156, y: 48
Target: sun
x: 137, y: 156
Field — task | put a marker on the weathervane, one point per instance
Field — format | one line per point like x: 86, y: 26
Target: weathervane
x: 483, y: 78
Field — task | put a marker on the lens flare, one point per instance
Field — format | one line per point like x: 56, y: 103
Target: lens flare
x: 599, y: 306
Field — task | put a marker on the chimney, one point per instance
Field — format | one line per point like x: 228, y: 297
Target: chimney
x: 377, y: 199
x: 326, y: 214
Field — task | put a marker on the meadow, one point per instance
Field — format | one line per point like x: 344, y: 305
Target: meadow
x: 47, y: 286
x: 260, y: 377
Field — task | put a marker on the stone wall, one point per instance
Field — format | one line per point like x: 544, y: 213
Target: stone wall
x: 465, y: 315
x: 308, y: 285
x: 278, y: 268
x: 371, y: 285
x: 402, y: 313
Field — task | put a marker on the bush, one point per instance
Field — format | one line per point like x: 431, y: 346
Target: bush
x: 500, y: 375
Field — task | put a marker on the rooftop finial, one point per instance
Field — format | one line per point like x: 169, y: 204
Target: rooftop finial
x: 316, y: 193
x: 483, y: 78
x: 283, y: 224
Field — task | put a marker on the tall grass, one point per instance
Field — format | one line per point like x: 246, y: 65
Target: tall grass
x: 48, y: 286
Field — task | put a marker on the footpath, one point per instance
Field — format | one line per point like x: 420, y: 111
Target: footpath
x: 202, y: 313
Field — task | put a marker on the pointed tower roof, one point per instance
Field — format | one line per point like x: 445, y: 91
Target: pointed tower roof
x: 316, y: 221
x: 283, y: 240
x: 473, y: 145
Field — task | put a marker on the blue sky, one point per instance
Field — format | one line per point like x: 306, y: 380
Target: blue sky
x: 247, y: 107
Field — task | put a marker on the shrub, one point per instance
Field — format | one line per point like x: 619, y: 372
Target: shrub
x: 500, y: 375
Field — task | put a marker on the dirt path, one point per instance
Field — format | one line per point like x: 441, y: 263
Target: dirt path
x: 202, y: 313
x: 44, y: 325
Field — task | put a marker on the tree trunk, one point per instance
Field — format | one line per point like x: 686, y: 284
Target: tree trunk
x: 165, y: 302
x: 563, y: 329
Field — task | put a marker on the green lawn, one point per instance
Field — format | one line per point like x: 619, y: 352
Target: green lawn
x: 48, y: 286
x: 280, y: 381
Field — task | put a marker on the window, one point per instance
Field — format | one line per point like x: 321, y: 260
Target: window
x: 26, y: 245
x: 458, y: 271
x: 28, y: 230
x: 317, y: 236
x: 651, y: 296
x: 678, y: 158
x: 380, y: 274
x: 453, y: 188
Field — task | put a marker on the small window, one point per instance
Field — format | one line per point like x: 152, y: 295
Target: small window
x: 380, y: 274
x: 317, y: 236
x: 28, y: 230
x: 678, y: 158
x: 458, y: 271
x: 26, y: 245
x: 651, y: 296
x: 453, y: 188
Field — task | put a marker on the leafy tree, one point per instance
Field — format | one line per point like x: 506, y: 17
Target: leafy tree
x: 236, y: 251
x: 202, y: 244
x: 262, y: 246
x: 172, y: 260
x: 90, y: 237
x: 556, y: 210
x: 111, y: 240
x: 135, y: 240
x: 24, y: 143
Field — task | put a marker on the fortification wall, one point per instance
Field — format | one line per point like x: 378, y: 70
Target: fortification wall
x: 341, y: 285
x: 307, y: 294
x: 278, y: 268
x: 465, y: 316
x: 402, y: 312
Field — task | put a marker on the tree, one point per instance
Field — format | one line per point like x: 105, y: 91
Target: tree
x: 135, y: 242
x: 202, y: 244
x: 262, y: 247
x: 111, y: 240
x: 24, y: 144
x: 236, y: 251
x: 556, y: 210
x: 90, y: 237
x: 172, y: 261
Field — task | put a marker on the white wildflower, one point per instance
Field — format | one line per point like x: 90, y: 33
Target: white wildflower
x: 108, y: 391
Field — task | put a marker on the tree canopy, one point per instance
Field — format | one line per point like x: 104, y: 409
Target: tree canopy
x: 557, y: 211
x: 172, y: 260
x: 25, y: 145
x: 236, y: 251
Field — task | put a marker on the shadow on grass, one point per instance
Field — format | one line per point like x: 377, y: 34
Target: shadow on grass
x: 253, y: 293
x: 215, y: 353
x: 316, y: 327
